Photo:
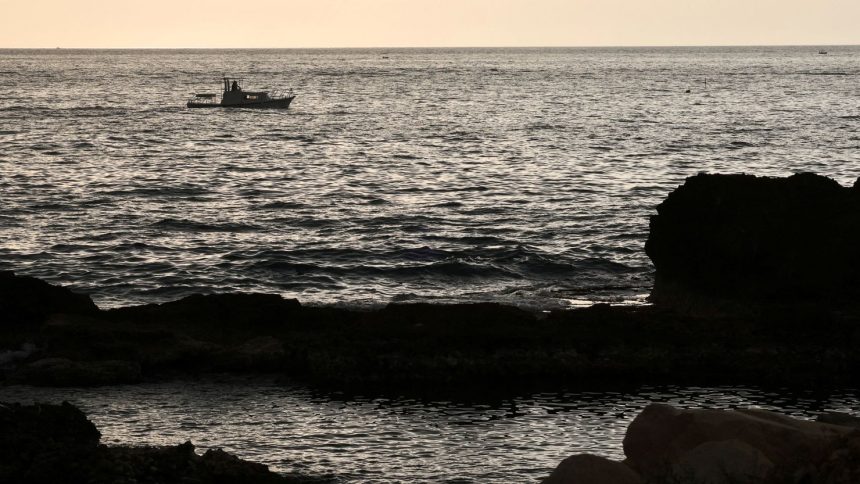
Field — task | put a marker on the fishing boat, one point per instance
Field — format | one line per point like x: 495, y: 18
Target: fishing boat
x: 235, y: 96
x: 822, y: 52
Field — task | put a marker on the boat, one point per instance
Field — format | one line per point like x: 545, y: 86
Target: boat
x: 822, y: 52
x: 235, y: 96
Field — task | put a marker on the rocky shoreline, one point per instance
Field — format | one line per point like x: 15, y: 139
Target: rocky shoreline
x: 50, y: 444
x: 757, y: 283
x: 669, y: 445
x: 57, y: 338
x: 44, y: 443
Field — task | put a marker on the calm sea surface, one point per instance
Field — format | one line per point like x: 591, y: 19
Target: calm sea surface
x: 395, y: 440
x: 522, y: 176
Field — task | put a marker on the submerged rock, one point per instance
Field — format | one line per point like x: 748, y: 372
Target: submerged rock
x: 742, y: 239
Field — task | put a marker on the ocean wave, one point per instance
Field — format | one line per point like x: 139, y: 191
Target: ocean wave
x: 449, y: 205
x: 183, y: 225
x: 157, y: 191
x: 490, y: 262
x: 436, y: 270
x: 138, y: 247
x: 825, y: 73
x: 281, y: 206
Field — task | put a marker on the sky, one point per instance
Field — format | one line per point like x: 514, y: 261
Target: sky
x: 423, y: 23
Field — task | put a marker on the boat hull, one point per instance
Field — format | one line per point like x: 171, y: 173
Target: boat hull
x: 281, y: 103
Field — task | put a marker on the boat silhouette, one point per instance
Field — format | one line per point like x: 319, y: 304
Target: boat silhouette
x: 235, y: 96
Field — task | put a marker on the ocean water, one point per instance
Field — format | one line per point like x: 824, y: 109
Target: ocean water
x: 374, y: 440
x: 524, y: 176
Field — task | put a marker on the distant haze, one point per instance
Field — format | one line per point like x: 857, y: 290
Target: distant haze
x: 424, y: 23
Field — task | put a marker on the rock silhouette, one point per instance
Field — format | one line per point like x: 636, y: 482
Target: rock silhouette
x: 49, y: 444
x: 668, y: 445
x: 25, y: 300
x: 747, y: 240
x: 410, y: 347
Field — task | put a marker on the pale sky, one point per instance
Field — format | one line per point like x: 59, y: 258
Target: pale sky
x: 424, y: 23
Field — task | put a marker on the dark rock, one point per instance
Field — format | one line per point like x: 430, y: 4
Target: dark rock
x: 22, y: 426
x: 152, y: 346
x: 62, y: 372
x: 711, y: 445
x: 428, y: 347
x: 264, y: 353
x: 220, y: 467
x: 48, y: 444
x: 742, y: 239
x: 590, y: 469
x: 667, y: 445
x: 722, y: 462
x: 839, y: 418
x: 255, y: 309
x: 218, y: 317
x: 39, y: 443
x: 27, y: 300
x: 843, y: 463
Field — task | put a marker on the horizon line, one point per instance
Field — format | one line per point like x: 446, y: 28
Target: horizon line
x: 607, y: 46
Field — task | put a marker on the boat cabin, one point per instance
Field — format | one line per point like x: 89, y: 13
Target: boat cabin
x: 234, y: 95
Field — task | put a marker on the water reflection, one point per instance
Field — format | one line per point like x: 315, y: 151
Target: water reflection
x: 374, y: 439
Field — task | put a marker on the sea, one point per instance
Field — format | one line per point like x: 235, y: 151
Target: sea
x: 524, y: 176
x: 520, y: 176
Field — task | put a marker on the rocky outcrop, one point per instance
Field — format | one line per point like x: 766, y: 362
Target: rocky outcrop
x: 221, y: 313
x: 414, y: 347
x: 727, y: 241
x: 734, y: 443
x: 26, y: 300
x: 49, y: 444
x: 668, y: 445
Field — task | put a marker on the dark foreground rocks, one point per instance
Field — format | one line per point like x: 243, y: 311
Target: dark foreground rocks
x: 732, y: 241
x: 50, y: 444
x: 423, y: 346
x: 668, y: 445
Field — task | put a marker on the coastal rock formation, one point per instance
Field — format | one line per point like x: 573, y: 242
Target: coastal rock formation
x: 723, y: 240
x: 48, y: 444
x: 25, y: 300
x: 668, y: 445
x: 412, y: 347
x: 750, y: 441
